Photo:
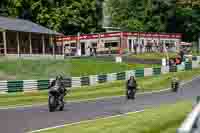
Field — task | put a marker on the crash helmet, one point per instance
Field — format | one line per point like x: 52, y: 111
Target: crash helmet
x: 60, y: 77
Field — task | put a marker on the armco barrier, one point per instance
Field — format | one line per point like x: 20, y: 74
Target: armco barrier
x: 15, y: 86
x: 195, y: 64
x: 194, y: 58
x: 173, y: 69
x: 68, y: 82
x: 111, y: 77
x: 76, y: 82
x: 188, y: 66
x: 148, y: 72
x: 121, y: 76
x: 139, y: 73
x: 31, y: 85
x: 42, y: 84
x: 85, y: 81
x: 93, y: 79
x: 165, y: 69
x: 102, y: 78
x: 192, y: 123
x: 181, y: 67
x: 3, y: 85
x: 156, y: 71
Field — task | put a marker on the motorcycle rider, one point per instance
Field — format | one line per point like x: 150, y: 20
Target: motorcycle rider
x: 131, y: 87
x: 61, y: 89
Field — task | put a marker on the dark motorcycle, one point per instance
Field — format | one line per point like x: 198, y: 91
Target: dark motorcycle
x: 175, y: 84
x: 130, y: 94
x: 55, y: 97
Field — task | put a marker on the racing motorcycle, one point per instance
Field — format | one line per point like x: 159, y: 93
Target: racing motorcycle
x: 56, y: 97
x: 131, y: 94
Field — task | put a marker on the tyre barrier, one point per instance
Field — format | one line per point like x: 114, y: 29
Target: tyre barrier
x: 139, y: 73
x: 74, y: 82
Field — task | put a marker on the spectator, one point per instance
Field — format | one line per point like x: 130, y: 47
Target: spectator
x: 178, y: 61
x: 95, y: 51
x: 109, y: 50
x: 135, y: 48
x: 171, y: 62
x: 181, y: 55
x: 90, y: 48
x: 141, y: 47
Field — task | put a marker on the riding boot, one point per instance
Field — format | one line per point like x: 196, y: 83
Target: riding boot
x: 133, y: 94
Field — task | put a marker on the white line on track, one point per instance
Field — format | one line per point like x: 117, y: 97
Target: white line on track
x: 81, y: 122
x: 93, y: 99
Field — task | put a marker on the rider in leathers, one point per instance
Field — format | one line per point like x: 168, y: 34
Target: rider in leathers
x: 62, y: 89
x: 131, y: 87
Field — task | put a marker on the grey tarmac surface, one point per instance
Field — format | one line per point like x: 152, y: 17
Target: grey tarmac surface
x: 20, y: 120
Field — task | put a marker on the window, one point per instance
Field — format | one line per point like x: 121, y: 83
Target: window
x: 129, y: 41
x: 94, y: 44
x: 112, y: 44
x: 73, y: 45
x: 142, y: 42
x: 66, y: 45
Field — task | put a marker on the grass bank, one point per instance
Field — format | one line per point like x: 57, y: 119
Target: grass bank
x: 102, y: 90
x: 163, y: 119
x: 44, y: 69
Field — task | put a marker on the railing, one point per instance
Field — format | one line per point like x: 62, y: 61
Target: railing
x: 192, y: 123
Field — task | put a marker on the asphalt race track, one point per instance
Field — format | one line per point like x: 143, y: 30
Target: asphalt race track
x: 19, y: 120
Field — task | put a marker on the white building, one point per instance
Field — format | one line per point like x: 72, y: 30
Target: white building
x: 121, y: 40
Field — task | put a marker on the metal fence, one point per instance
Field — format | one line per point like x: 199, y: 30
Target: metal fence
x: 192, y: 123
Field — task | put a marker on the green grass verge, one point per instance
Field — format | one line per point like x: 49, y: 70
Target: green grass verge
x: 195, y: 53
x: 158, y: 56
x: 102, y: 90
x: 163, y: 119
x: 45, y: 69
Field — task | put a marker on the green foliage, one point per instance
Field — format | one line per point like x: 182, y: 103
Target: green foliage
x: 133, y: 25
x: 66, y: 16
x: 156, y: 16
x: 85, y: 16
x: 188, y: 20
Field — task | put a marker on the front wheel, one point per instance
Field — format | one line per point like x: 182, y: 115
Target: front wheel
x: 52, y: 103
x: 61, y: 107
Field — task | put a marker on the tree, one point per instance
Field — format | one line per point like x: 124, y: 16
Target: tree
x: 67, y: 16
x: 188, y: 20
x: 4, y: 9
x: 133, y: 25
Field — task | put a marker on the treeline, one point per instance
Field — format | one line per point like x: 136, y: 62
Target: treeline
x: 66, y: 16
x: 84, y: 16
x: 180, y: 16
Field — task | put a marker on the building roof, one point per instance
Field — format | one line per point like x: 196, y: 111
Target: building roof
x: 123, y: 34
x: 21, y: 25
